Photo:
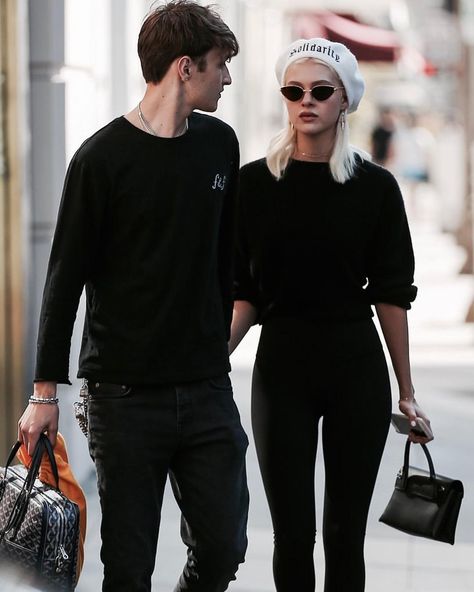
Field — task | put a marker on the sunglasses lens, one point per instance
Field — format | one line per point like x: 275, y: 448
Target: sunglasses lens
x: 292, y: 93
x: 322, y: 93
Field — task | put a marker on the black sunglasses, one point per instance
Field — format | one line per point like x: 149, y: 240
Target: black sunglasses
x: 319, y: 93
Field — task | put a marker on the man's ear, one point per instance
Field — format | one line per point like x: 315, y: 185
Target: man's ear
x: 185, y: 68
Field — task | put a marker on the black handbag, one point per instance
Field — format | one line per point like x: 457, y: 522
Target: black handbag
x: 39, y: 526
x: 423, y: 503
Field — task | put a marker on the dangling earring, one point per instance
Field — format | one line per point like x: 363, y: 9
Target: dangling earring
x: 342, y: 119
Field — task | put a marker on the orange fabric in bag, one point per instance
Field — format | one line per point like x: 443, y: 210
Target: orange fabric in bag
x: 67, y: 484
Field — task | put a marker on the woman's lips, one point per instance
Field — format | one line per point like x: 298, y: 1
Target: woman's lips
x: 307, y: 116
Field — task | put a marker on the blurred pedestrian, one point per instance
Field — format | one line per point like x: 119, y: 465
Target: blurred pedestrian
x: 413, y: 146
x: 322, y: 236
x: 145, y: 223
x: 382, y: 138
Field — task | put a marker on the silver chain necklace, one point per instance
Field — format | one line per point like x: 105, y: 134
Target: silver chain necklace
x: 147, y: 127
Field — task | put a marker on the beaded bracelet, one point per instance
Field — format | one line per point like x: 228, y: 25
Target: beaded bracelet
x: 45, y: 401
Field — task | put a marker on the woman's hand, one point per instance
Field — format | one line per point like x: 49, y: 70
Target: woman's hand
x: 244, y: 316
x: 409, y: 406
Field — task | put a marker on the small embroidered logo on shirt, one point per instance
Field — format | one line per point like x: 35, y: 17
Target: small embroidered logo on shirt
x: 219, y: 182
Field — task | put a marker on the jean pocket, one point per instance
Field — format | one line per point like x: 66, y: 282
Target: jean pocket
x: 107, y: 390
x: 221, y: 383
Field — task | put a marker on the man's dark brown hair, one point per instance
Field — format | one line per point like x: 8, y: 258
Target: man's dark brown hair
x: 178, y: 28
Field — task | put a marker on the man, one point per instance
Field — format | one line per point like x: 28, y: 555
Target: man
x: 146, y: 224
x: 382, y: 139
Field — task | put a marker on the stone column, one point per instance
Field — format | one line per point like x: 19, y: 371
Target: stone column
x: 47, y: 113
x: 13, y: 186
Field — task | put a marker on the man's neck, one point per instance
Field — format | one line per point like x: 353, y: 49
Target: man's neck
x: 162, y: 111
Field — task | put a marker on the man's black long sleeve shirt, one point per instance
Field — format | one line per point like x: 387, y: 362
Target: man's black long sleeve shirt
x: 146, y: 225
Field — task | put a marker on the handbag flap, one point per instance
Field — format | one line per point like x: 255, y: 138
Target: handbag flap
x: 420, y: 484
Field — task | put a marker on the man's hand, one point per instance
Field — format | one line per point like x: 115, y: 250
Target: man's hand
x: 38, y: 418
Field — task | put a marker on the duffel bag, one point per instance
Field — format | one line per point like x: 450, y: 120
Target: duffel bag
x: 39, y: 526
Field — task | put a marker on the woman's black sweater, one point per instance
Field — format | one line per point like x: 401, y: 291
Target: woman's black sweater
x: 311, y: 247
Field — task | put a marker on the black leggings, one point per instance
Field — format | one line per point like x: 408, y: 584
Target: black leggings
x: 305, y: 371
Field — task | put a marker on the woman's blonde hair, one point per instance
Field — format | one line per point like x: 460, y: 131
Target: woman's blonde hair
x: 342, y: 162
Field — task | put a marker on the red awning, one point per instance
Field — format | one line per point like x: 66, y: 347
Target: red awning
x: 369, y: 44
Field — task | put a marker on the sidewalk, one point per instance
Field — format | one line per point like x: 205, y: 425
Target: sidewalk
x: 438, y: 330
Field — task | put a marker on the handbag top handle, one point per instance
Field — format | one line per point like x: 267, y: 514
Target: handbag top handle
x: 406, y: 462
x: 42, y: 445
x: 18, y: 512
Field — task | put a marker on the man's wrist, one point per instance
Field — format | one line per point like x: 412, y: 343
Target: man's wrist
x: 45, y: 390
x: 43, y: 400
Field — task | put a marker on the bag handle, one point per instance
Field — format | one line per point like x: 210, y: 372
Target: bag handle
x: 21, y: 503
x: 45, y: 444
x: 406, y: 462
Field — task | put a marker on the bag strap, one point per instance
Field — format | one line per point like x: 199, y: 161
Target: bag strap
x: 21, y: 503
x: 52, y: 458
x: 18, y: 511
x: 406, y: 462
x: 11, y: 456
x: 43, y: 444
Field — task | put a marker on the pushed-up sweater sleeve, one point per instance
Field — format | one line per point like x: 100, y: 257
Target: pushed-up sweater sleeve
x: 71, y: 262
x: 390, y: 258
x: 245, y: 283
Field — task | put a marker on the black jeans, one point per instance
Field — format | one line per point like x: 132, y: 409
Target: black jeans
x: 304, y: 372
x: 191, y: 431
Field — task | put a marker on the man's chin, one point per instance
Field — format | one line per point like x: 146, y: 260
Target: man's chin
x: 209, y: 108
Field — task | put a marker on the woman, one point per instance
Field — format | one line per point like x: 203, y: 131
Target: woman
x: 322, y: 236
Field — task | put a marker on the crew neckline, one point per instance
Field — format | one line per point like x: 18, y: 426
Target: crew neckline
x: 311, y: 162
x: 144, y: 134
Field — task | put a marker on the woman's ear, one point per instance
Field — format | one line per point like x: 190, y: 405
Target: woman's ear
x: 344, y: 102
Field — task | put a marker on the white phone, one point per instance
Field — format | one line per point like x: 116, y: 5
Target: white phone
x: 401, y: 423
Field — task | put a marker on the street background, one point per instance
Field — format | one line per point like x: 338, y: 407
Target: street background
x: 70, y: 66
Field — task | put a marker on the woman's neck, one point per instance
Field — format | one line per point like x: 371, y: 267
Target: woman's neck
x: 312, y: 148
x: 312, y: 156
